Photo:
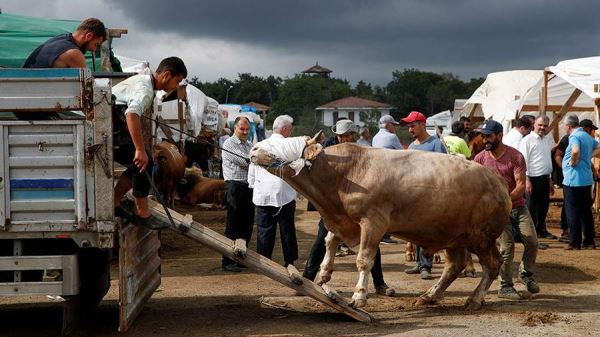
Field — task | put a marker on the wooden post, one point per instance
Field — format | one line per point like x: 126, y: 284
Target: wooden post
x: 544, y: 94
x: 472, y: 112
x: 563, y: 111
x: 181, y: 97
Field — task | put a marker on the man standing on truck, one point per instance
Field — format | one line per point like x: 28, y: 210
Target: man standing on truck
x: 134, y: 96
x: 65, y: 51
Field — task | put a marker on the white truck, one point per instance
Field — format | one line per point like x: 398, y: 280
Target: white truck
x: 58, y: 231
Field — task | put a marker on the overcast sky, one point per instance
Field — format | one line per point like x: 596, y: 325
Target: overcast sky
x: 357, y: 39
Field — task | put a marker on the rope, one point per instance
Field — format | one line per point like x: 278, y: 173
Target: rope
x: 197, y: 139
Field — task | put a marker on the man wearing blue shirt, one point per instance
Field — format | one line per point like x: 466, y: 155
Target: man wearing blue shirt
x: 423, y: 142
x: 386, y: 137
x: 577, y: 185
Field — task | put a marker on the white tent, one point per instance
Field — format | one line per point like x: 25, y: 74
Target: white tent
x: 443, y: 119
x: 572, y: 88
x: 130, y: 65
x: 499, y: 96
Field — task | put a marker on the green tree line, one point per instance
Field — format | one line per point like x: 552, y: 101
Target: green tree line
x: 298, y: 96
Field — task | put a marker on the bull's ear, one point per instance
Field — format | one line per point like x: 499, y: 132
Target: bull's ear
x: 312, y: 151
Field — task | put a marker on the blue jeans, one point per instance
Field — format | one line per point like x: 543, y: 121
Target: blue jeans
x: 423, y: 262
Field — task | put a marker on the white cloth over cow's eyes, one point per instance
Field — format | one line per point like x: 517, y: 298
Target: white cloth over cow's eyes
x: 287, y: 149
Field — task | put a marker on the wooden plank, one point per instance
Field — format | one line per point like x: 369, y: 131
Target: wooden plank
x: 544, y: 95
x: 139, y: 271
x: 472, y: 112
x: 255, y: 261
x: 556, y: 108
x: 564, y: 109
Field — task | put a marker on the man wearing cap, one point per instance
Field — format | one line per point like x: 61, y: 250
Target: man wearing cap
x: 509, y: 164
x: 386, y: 138
x: 571, y: 123
x: 536, y: 148
x: 577, y: 186
x: 344, y: 131
x: 423, y: 142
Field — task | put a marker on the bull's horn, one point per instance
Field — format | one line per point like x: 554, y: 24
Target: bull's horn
x: 314, y: 139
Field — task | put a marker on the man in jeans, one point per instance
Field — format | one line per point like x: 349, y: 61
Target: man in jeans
x: 577, y: 188
x: 416, y: 122
x: 509, y: 164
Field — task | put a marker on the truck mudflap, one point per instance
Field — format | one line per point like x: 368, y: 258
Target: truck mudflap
x: 139, y: 271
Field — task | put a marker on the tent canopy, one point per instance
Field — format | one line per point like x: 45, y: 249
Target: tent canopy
x: 565, y: 77
x: 498, y: 97
x: 20, y: 35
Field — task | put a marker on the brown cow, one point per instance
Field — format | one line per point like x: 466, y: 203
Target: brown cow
x: 170, y: 169
x: 425, y: 198
x: 197, y: 189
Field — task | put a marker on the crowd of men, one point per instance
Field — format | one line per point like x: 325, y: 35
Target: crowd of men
x: 523, y: 158
x: 526, y: 158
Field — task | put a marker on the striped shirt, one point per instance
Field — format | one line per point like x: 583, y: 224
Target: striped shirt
x: 234, y: 166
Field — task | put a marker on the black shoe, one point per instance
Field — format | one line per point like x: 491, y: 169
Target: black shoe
x: 232, y: 268
x: 542, y: 246
x: 387, y: 240
x: 547, y: 235
x: 413, y: 271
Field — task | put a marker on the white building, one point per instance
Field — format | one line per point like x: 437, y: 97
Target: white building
x: 351, y: 108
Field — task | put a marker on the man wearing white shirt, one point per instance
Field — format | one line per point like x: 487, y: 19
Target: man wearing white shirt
x: 275, y: 203
x: 515, y: 135
x: 536, y: 148
x: 386, y: 138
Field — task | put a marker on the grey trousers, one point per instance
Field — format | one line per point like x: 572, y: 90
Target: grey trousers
x: 521, y: 220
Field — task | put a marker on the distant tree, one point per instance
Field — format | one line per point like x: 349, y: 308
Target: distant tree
x: 364, y: 90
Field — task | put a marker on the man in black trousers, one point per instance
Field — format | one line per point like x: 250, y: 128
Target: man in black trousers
x: 238, y: 195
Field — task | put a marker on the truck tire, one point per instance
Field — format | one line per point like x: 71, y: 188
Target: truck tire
x: 94, y: 277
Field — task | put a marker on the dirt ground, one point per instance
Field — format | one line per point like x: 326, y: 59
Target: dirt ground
x: 198, y: 299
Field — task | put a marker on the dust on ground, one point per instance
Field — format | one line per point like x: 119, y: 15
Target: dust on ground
x: 198, y: 299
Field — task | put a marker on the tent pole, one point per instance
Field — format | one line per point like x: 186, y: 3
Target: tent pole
x: 544, y: 94
x: 472, y: 112
x: 563, y: 111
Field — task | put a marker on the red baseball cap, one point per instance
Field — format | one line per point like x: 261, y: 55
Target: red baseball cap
x: 414, y: 116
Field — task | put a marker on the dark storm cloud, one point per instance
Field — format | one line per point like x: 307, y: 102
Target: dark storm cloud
x: 465, y: 37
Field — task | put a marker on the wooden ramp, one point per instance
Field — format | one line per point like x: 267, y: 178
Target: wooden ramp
x: 289, y: 277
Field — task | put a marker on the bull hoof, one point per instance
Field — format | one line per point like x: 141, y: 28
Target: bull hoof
x: 423, y: 301
x: 359, y: 300
x: 437, y: 258
x: 324, y: 277
x: 409, y: 257
x: 473, y: 305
